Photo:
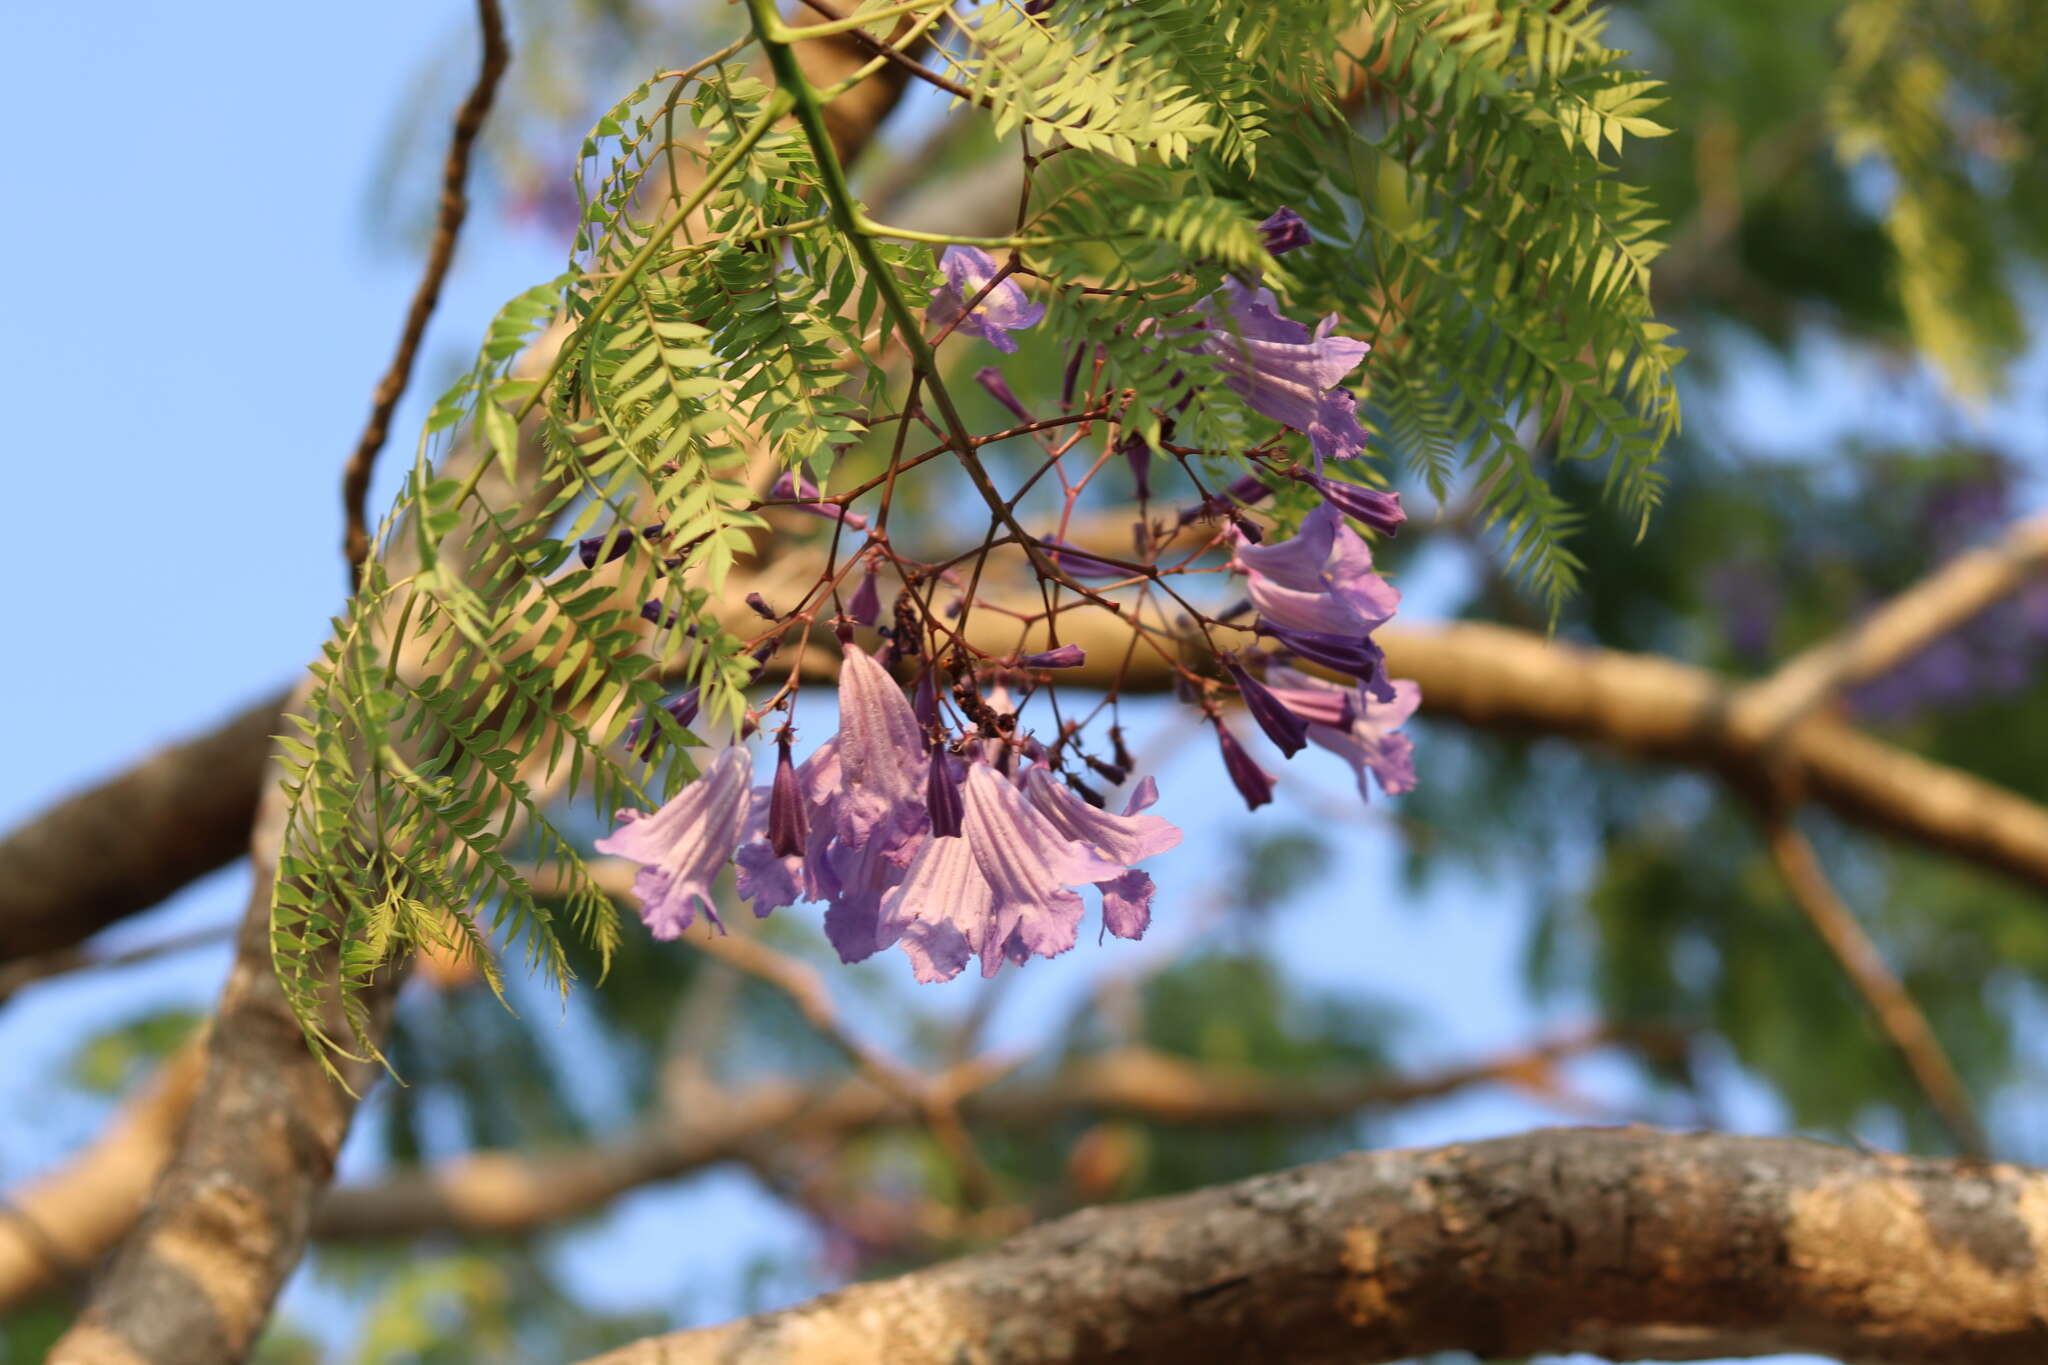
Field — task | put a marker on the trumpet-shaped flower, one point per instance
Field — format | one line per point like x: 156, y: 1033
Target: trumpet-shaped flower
x: 1003, y: 310
x: 1360, y: 727
x: 682, y: 847
x: 1317, y: 594
x: 1287, y: 373
x: 1001, y: 890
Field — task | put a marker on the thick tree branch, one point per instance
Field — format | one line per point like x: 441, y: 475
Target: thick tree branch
x: 118, y: 848
x: 1903, y: 626
x: 194, y: 1280
x: 1624, y: 1243
x: 57, y: 1227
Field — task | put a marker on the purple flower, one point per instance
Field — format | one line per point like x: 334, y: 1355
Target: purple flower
x: 1362, y: 658
x: 1065, y: 656
x: 1004, y: 310
x: 685, y: 845
x: 791, y: 484
x: 1363, y: 735
x: 1283, y: 231
x: 1285, y: 728
x: 1021, y: 906
x: 1253, y: 783
x: 880, y: 755
x: 1285, y: 373
x: 1318, y: 581
x: 1381, y: 511
x: 991, y: 378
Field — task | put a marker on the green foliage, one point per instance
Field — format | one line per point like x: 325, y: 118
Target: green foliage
x: 1898, y: 100
x: 719, y: 319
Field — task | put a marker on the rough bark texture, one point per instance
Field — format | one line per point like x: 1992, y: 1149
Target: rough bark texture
x: 192, y: 1283
x: 116, y: 849
x: 1624, y: 1243
x: 195, y: 1279
x: 58, y: 1226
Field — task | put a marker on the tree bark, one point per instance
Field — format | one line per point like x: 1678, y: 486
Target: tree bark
x: 1626, y: 1243
x: 115, y: 849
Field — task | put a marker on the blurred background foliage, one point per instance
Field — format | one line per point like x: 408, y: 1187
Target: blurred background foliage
x: 1855, y: 196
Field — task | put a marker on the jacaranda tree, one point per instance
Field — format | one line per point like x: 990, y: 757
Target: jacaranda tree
x: 853, y: 536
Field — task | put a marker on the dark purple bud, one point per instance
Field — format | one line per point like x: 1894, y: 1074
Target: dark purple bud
x: 1381, y: 511
x: 991, y: 378
x: 1065, y: 656
x: 924, y: 703
x: 655, y: 612
x: 1138, y: 456
x: 1123, y: 755
x: 1282, y: 726
x: 1078, y: 563
x: 613, y: 544
x: 1036, y: 8
x: 761, y: 607
x: 1108, y: 772
x: 1360, y: 658
x: 1253, y: 783
x: 1283, y: 231
x: 1073, y: 375
x: 865, y: 606
x: 788, y: 822
x: 683, y: 708
x: 1084, y: 791
x: 942, y: 795
x: 794, y: 485
x: 1248, y: 528
x: 1247, y: 492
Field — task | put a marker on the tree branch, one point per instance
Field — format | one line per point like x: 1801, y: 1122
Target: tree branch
x: 1900, y: 628
x: 511, y: 1193
x: 60, y: 1225
x: 1891, y: 1006
x: 116, y: 850
x: 469, y: 121
x: 134, y: 840
x: 1624, y: 1243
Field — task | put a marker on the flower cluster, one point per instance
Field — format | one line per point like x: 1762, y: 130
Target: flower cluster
x: 933, y: 820
x: 968, y: 849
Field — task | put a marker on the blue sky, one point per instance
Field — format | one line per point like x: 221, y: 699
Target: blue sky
x: 201, y: 315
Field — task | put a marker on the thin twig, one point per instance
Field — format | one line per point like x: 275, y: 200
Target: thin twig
x: 806, y: 990
x: 903, y: 59
x: 1904, y: 1026
x: 16, y: 975
x: 1899, y: 629
x: 469, y: 121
